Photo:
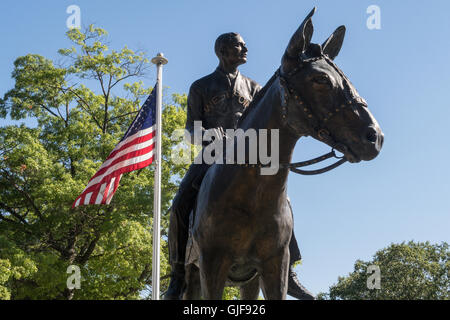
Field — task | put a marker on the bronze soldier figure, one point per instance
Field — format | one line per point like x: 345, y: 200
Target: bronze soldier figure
x: 217, y: 100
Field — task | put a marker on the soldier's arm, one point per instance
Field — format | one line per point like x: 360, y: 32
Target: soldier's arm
x: 195, y: 109
x: 194, y: 113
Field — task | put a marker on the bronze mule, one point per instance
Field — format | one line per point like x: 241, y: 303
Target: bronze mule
x: 242, y: 224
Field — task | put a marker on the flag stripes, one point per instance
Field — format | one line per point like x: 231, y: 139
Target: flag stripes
x: 135, y: 151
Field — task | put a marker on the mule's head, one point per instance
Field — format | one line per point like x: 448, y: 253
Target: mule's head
x: 321, y: 101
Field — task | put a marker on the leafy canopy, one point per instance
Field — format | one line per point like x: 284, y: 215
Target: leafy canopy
x: 409, y: 271
x: 82, y: 105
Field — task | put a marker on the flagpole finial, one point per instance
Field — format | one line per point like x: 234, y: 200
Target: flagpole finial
x: 159, y: 59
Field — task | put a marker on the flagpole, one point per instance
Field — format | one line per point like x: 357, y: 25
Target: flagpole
x: 159, y: 60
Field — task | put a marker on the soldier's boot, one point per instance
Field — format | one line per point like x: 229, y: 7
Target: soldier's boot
x: 177, y: 283
x: 296, y: 289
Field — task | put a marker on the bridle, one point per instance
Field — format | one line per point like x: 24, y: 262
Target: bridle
x: 315, y: 125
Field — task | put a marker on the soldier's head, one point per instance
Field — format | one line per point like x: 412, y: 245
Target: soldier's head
x: 230, y: 49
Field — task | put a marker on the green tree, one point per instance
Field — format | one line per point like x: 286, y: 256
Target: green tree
x: 82, y: 106
x: 409, y: 271
x: 231, y: 293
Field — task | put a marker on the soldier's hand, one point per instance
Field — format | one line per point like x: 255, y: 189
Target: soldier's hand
x: 215, y: 134
x: 218, y: 134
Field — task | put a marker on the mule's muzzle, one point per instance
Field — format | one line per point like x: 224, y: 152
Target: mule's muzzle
x: 372, y: 139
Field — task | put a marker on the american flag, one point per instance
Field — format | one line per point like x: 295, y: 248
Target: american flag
x: 134, y: 151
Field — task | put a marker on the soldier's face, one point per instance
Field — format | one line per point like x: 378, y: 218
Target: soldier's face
x: 235, y: 51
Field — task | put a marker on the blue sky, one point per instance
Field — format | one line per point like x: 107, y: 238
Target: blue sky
x: 402, y: 70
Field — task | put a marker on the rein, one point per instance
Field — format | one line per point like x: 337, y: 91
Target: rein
x: 294, y: 166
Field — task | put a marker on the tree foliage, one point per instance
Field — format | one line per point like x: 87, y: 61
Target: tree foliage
x: 82, y: 106
x: 409, y: 271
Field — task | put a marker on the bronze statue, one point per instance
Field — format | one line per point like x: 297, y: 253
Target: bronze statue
x: 243, y: 224
x: 218, y: 101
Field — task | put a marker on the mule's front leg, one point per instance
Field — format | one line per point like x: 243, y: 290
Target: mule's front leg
x: 250, y: 290
x: 274, y: 276
x: 214, y: 268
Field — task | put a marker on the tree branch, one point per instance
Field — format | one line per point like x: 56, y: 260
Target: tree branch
x: 50, y: 111
x: 81, y: 101
x: 13, y: 212
x: 123, y: 115
x: 23, y: 192
x: 84, y: 257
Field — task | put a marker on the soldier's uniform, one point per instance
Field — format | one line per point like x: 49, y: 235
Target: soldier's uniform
x: 219, y: 101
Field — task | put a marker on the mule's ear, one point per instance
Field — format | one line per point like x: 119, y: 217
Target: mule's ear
x: 333, y: 44
x: 299, y: 42
x: 301, y: 39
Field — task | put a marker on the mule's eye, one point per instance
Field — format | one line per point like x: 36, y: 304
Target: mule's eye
x: 324, y: 80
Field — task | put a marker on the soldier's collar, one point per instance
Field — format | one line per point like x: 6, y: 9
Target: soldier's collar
x: 227, y: 74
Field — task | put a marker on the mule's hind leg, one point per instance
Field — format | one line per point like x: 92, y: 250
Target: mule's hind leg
x: 250, y: 291
x: 274, y: 276
x: 214, y: 269
x: 193, y: 289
